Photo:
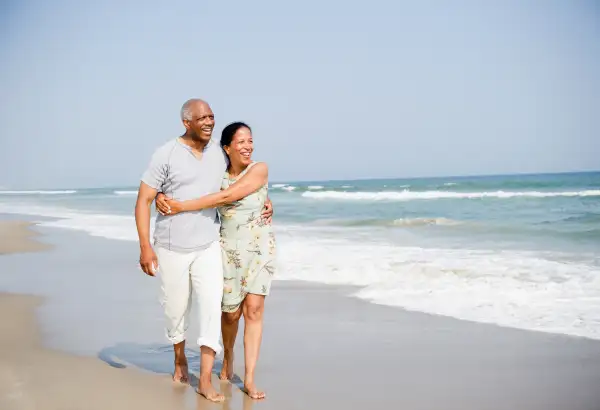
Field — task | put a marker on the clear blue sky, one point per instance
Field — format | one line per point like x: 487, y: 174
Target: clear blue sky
x: 333, y: 89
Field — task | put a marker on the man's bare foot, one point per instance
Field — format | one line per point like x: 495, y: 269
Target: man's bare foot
x: 206, y: 389
x: 181, y: 371
x: 252, y: 392
x: 227, y: 370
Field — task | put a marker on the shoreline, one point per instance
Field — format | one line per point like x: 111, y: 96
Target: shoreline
x: 458, y: 280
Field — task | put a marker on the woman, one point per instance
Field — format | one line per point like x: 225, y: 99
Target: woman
x: 248, y: 247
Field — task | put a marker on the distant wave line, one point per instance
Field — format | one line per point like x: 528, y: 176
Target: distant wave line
x: 407, y: 195
x: 399, y: 222
x: 63, y: 192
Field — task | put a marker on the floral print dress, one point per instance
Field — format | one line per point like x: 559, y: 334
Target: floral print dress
x: 248, y: 247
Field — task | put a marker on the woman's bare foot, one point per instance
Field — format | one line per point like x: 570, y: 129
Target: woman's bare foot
x: 227, y: 370
x: 181, y: 371
x: 252, y: 392
x: 208, y: 391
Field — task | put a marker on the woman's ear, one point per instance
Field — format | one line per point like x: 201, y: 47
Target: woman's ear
x: 226, y: 148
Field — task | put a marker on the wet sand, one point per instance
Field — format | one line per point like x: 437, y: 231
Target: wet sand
x: 321, y: 349
x: 33, y: 377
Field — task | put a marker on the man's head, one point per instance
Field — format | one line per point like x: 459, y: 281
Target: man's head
x: 198, y: 119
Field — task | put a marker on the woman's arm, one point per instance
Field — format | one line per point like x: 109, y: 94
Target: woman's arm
x: 256, y: 177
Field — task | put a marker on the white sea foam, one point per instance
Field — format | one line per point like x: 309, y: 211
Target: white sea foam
x: 518, y: 289
x: 374, y: 222
x: 407, y: 195
x: 515, y: 289
x: 284, y: 187
x: 125, y: 192
x: 425, y: 221
x: 109, y: 226
x: 315, y: 187
x: 62, y: 192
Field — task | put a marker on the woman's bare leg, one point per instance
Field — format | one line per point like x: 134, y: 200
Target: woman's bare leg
x: 253, y: 308
x: 229, y: 329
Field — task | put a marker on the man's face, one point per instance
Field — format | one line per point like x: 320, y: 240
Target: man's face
x: 202, y: 123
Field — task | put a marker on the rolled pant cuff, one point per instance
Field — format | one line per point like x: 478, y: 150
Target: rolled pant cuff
x: 216, y: 346
x: 176, y: 339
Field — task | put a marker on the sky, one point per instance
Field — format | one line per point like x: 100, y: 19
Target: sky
x: 332, y: 89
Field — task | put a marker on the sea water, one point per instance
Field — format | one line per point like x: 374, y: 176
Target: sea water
x: 520, y: 251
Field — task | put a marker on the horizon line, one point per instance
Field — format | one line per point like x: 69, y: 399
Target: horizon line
x: 347, y: 180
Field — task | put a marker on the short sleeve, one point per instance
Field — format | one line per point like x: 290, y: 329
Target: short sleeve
x: 156, y: 173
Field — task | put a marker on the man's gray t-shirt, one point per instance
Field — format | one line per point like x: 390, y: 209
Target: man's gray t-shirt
x: 179, y: 174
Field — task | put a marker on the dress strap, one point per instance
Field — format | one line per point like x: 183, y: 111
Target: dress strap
x: 242, y: 173
x: 250, y: 165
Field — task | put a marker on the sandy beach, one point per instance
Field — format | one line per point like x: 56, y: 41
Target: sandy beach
x: 70, y: 348
x: 16, y: 237
x: 33, y: 377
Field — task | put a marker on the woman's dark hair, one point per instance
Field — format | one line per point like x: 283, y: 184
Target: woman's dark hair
x: 230, y: 130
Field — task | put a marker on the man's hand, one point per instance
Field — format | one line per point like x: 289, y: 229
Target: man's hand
x: 148, y: 261
x: 267, y: 213
x: 162, y: 206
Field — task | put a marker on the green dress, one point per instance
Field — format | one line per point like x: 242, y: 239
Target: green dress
x: 248, y: 247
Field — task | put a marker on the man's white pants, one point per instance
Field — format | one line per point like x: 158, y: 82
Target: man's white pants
x: 202, y: 272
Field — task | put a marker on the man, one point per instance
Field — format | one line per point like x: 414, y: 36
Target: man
x: 188, y: 253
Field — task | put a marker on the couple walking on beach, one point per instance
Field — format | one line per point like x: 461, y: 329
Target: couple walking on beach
x: 212, y: 238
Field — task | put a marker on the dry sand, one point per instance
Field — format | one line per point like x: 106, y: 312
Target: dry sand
x: 16, y: 237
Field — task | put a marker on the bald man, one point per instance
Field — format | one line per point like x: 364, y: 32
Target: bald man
x: 186, y: 245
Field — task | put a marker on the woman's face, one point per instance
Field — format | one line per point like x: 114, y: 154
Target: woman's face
x: 240, y: 150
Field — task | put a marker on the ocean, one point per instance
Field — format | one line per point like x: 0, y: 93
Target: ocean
x: 518, y: 251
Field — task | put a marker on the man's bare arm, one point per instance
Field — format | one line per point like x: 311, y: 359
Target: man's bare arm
x: 146, y: 195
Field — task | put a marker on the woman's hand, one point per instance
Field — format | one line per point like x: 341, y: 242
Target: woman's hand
x: 267, y: 213
x: 167, y: 206
x: 162, y: 207
x: 174, y: 207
